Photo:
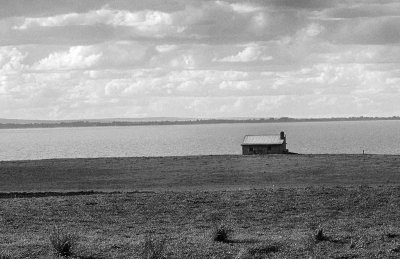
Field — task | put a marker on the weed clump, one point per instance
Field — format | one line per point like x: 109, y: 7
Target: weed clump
x: 62, y: 242
x: 221, y: 233
x: 320, y: 236
x: 392, y: 235
x: 153, y: 248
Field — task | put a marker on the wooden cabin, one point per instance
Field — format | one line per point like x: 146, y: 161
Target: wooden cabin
x: 264, y: 144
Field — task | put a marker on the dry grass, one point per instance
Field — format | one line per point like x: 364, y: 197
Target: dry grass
x: 356, y: 220
x: 4, y: 255
x: 153, y: 248
x: 320, y: 236
x: 62, y: 242
x: 259, y: 251
x: 221, y: 233
x: 277, y: 223
x: 197, y: 172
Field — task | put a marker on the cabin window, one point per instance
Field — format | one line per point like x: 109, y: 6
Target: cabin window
x: 269, y: 148
x: 251, y: 149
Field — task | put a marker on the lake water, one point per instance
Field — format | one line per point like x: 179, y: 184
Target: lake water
x: 375, y: 137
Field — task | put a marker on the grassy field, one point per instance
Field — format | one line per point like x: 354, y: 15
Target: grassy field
x: 273, y: 205
x: 197, y: 172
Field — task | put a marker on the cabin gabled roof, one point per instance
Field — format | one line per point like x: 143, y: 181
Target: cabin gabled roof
x: 262, y: 140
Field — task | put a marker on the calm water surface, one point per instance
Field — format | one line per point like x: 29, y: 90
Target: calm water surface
x: 378, y: 137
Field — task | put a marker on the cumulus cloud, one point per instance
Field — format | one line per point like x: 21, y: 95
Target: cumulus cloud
x: 165, y: 48
x: 11, y: 60
x: 206, y: 20
x: 248, y: 54
x: 99, y: 56
x: 146, y: 20
x: 76, y: 57
x: 241, y: 7
x: 199, y: 58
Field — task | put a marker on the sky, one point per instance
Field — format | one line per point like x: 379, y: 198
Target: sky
x: 77, y: 59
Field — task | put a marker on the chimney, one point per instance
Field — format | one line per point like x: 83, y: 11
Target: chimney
x: 283, y: 135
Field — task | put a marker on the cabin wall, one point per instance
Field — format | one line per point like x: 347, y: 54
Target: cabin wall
x: 263, y: 149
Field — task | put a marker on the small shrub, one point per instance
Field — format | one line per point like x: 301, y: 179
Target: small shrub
x: 352, y: 244
x: 153, y: 248
x: 62, y: 242
x: 221, y: 233
x: 392, y: 235
x: 320, y: 236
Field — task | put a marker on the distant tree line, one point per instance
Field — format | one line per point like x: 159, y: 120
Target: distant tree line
x: 184, y: 122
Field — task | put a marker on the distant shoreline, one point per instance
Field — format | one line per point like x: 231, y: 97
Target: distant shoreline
x: 92, y: 123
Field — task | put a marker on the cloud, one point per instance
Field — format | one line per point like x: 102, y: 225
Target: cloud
x: 11, y: 60
x: 192, y: 58
x: 77, y: 57
x: 208, y: 21
x: 148, y: 21
x: 303, y: 4
x: 360, y: 11
x: 45, y: 7
x: 100, y: 56
x: 165, y: 48
x: 384, y: 30
x: 241, y: 7
x: 248, y: 54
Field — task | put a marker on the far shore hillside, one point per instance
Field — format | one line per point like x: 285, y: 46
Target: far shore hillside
x: 15, y: 124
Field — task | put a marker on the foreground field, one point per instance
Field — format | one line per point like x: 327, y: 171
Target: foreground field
x: 359, y: 222
x: 274, y: 205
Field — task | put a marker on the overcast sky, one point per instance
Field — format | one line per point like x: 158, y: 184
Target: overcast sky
x: 191, y: 58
